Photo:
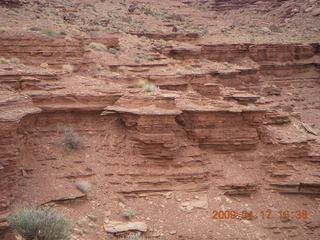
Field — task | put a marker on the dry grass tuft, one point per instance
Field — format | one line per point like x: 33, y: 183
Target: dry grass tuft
x: 83, y: 186
x: 97, y: 46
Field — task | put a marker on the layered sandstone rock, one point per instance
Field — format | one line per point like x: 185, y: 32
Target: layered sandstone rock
x: 13, y: 108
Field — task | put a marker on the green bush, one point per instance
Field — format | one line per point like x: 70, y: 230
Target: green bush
x: 40, y: 223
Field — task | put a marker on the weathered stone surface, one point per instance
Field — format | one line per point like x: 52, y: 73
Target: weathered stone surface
x: 13, y: 107
x: 116, y: 227
x: 201, y: 203
x: 315, y: 12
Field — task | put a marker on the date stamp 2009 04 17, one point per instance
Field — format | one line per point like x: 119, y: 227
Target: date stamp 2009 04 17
x: 263, y: 214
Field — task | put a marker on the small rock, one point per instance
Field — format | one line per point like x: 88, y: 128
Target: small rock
x: 173, y: 232
x: 92, y: 225
x: 107, y: 213
x: 92, y: 218
x: 189, y: 205
x: 168, y: 195
x: 309, y: 9
x: 115, y: 226
x: 78, y: 231
x: 81, y: 222
x: 316, y: 12
x: 295, y: 10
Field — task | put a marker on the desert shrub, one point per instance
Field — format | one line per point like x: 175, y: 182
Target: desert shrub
x: 148, y: 11
x: 150, y: 87
x: 72, y: 140
x: 137, y: 59
x: 48, y: 31
x: 145, y: 85
x: 113, y: 51
x: 83, y: 186
x: 41, y: 223
x: 97, y: 46
x: 139, y: 83
x: 63, y: 32
x: 14, y: 60
x: 128, y: 213
x: 3, y: 61
x: 68, y: 67
x: 35, y: 29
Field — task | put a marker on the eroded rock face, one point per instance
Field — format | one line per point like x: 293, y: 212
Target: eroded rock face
x: 222, y: 5
x: 13, y: 3
x: 13, y: 107
x: 245, y: 131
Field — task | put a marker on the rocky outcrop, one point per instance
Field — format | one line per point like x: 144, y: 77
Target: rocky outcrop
x: 13, y: 107
x: 183, y: 37
x: 222, y: 5
x: 13, y: 3
x: 34, y: 48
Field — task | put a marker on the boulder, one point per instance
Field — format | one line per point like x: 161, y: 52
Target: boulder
x: 315, y: 12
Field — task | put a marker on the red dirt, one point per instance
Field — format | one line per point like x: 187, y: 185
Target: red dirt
x: 233, y: 124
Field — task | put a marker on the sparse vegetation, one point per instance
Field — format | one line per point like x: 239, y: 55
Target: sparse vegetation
x: 113, y: 51
x: 146, y: 85
x: 150, y: 87
x: 148, y: 11
x: 83, y: 186
x: 48, y: 31
x: 63, y: 32
x: 139, y: 83
x: 137, y: 59
x: 128, y: 213
x: 40, y: 223
x: 100, y: 67
x: 188, y: 67
x: 90, y: 5
x: 35, y: 29
x: 3, y: 61
x: 72, y: 140
x: 68, y: 67
x: 97, y: 46
x: 14, y: 60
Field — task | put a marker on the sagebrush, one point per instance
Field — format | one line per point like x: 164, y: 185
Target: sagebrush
x: 72, y: 140
x: 128, y: 213
x: 83, y: 186
x: 40, y: 223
